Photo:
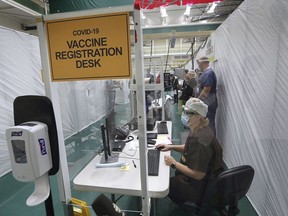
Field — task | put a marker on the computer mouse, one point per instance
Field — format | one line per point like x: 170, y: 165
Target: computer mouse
x: 160, y: 148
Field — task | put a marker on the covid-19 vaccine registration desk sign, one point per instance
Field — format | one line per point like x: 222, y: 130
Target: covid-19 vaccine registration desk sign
x: 92, y: 47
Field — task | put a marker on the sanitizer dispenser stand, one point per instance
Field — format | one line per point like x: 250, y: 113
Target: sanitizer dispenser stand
x: 33, y: 147
x: 30, y: 154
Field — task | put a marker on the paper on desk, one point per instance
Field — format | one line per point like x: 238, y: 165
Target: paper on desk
x: 163, y: 140
x: 125, y: 167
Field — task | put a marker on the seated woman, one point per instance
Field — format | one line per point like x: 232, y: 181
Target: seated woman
x: 201, y: 152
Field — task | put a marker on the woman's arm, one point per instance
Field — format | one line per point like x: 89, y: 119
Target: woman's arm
x: 165, y: 147
x: 178, y: 148
x: 184, y: 169
x: 205, y: 92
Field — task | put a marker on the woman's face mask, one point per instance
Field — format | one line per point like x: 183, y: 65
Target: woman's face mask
x: 185, y: 119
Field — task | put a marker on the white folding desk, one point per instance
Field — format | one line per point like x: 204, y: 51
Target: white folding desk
x: 116, y: 181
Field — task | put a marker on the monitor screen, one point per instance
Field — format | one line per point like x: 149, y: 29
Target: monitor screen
x: 110, y: 129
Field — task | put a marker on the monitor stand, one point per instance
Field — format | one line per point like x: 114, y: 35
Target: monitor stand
x: 110, y: 159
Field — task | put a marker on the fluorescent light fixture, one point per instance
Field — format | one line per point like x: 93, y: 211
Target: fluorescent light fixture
x: 187, y: 11
x: 142, y: 15
x: 212, y: 9
x: 22, y: 7
x: 203, y: 21
x: 163, y: 11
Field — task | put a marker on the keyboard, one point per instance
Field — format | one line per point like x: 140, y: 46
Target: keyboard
x: 153, y: 162
x: 151, y: 141
x: 152, y: 135
x: 162, y: 128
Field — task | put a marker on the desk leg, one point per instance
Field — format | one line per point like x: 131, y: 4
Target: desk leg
x: 113, y: 198
x: 154, y: 206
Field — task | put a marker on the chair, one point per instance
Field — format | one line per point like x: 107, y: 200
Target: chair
x: 103, y: 206
x: 227, y: 189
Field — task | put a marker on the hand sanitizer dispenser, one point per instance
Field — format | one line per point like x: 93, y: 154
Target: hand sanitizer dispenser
x: 30, y: 155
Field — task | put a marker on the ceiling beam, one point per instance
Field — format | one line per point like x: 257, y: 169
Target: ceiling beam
x: 160, y: 36
x: 181, y: 31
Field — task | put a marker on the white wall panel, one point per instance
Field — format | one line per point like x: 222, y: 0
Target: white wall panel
x: 19, y: 75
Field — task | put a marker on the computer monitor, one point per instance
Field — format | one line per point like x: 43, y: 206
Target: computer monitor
x: 108, y: 138
x: 110, y: 129
x: 108, y: 157
x: 104, y: 142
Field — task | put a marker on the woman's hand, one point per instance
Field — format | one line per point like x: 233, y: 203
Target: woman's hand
x: 169, y: 160
x: 163, y: 147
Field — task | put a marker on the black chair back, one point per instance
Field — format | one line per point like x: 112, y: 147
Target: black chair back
x: 230, y: 186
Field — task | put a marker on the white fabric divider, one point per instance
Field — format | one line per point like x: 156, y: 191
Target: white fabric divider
x: 122, y: 93
x: 82, y: 103
x: 251, y: 67
x: 20, y: 74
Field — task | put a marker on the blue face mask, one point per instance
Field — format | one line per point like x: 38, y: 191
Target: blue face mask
x: 185, y: 119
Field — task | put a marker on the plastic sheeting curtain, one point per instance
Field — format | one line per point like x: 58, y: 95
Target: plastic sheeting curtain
x: 20, y: 74
x: 251, y: 49
x: 82, y: 103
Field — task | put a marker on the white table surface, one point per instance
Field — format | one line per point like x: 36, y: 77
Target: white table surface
x: 127, y: 182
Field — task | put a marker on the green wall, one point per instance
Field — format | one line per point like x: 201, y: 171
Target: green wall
x: 57, y: 6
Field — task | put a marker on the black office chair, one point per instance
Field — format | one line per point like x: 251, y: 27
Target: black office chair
x: 103, y: 206
x: 226, y: 190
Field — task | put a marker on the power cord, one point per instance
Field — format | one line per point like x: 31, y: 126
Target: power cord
x: 131, y: 155
x: 130, y: 138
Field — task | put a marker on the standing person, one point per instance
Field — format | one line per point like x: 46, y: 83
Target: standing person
x: 207, y: 90
x: 200, y: 153
x: 188, y: 86
x: 175, y: 86
x: 149, y: 75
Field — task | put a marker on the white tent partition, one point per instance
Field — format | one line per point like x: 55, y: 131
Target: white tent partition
x: 251, y: 67
x: 20, y: 74
x: 122, y: 92
x: 82, y: 103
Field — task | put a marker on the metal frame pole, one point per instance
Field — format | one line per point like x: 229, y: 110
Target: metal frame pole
x: 141, y: 111
x: 162, y: 91
x: 51, y: 91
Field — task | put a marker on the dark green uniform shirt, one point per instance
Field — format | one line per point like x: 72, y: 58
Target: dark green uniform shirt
x: 201, y: 148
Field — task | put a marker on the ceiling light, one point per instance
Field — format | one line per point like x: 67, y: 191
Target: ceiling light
x: 143, y: 15
x: 212, y: 9
x: 163, y: 11
x: 22, y: 7
x: 187, y: 11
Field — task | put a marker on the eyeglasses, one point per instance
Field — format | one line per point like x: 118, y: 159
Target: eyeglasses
x: 190, y: 113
